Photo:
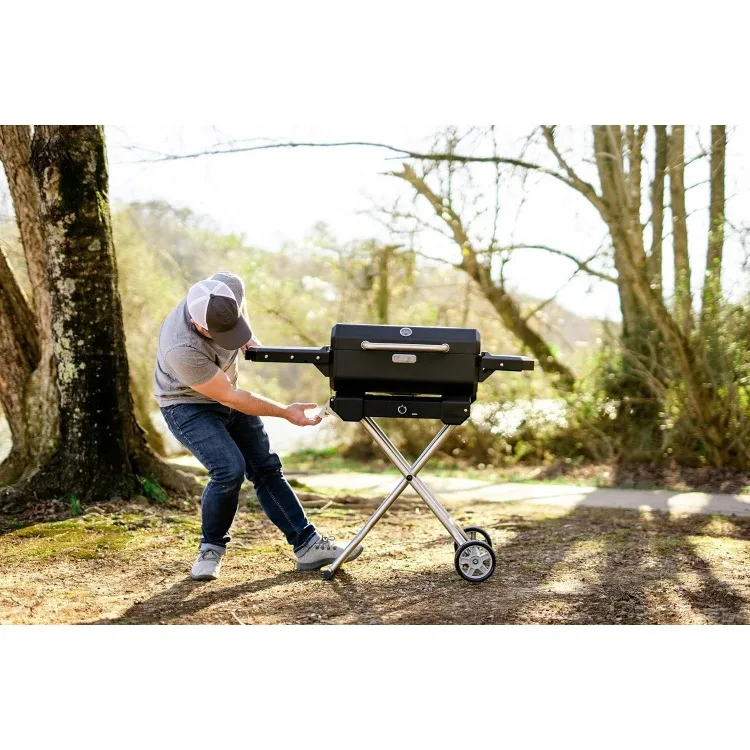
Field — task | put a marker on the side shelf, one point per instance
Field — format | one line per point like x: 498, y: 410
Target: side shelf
x: 305, y: 355
x: 490, y: 363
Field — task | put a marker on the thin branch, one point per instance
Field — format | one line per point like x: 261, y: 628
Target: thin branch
x: 444, y: 261
x: 223, y: 149
x: 583, y: 187
x: 291, y: 323
x: 546, y: 302
x: 496, y: 215
x: 445, y: 212
x: 399, y: 152
x: 697, y: 184
x: 394, y: 215
x: 583, y: 265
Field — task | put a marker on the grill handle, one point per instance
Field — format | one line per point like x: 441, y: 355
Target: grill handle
x: 490, y: 363
x: 372, y: 346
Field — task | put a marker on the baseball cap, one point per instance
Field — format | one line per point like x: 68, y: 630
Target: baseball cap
x: 213, y: 306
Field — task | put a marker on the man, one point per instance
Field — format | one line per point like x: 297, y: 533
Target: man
x: 200, y: 342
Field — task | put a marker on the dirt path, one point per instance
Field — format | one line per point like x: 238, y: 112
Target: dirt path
x: 555, y: 565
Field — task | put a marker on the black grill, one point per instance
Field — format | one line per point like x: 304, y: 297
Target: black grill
x: 412, y: 373
x: 409, y: 372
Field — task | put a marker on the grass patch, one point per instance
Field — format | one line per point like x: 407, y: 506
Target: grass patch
x: 74, y: 503
x: 256, y: 549
x: 251, y: 501
x: 620, y: 538
x: 153, y: 490
x: 81, y: 538
x: 191, y: 525
x: 301, y: 486
x: 96, y: 536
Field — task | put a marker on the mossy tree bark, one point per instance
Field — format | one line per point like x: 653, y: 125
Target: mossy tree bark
x: 28, y: 390
x: 102, y: 450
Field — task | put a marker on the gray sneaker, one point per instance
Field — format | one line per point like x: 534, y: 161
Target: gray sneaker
x: 323, y: 553
x: 207, y: 565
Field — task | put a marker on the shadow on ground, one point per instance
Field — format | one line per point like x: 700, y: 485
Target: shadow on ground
x: 586, y: 566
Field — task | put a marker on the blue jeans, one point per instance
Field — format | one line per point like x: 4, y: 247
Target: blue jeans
x: 232, y: 446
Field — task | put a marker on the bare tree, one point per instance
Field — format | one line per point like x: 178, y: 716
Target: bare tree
x: 644, y: 309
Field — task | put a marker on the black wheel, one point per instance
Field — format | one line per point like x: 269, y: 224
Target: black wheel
x: 475, y: 532
x: 475, y: 561
x: 326, y: 575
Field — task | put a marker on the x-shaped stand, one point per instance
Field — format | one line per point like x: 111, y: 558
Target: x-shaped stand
x: 409, y: 473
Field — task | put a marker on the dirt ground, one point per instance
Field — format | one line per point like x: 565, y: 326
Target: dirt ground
x: 131, y: 564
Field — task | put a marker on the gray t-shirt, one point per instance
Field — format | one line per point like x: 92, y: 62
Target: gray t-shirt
x: 185, y: 358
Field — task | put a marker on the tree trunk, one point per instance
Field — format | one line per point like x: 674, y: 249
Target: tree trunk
x: 102, y: 449
x: 34, y: 426
x: 621, y: 216
x: 657, y: 207
x: 383, y: 292
x: 19, y: 353
x: 682, y: 296
x: 699, y: 390
x: 143, y: 402
x: 635, y: 138
x: 623, y: 220
x: 712, y: 282
x: 621, y: 201
x: 514, y: 321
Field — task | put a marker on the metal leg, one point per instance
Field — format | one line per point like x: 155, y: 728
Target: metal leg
x: 419, y: 486
x: 412, y: 470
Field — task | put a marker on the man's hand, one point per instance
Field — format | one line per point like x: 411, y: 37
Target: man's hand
x: 295, y: 413
x: 253, y: 342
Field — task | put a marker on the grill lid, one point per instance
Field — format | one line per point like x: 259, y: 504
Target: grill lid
x: 352, y: 335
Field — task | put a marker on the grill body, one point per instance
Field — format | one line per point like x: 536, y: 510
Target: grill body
x: 398, y: 360
x: 403, y: 372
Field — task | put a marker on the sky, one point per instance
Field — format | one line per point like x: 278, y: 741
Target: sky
x: 275, y: 197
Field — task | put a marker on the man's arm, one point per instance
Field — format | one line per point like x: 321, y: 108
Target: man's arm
x: 220, y: 389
